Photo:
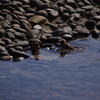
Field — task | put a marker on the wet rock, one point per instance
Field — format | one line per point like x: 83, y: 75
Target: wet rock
x: 37, y: 20
x: 16, y: 53
x: 67, y: 30
x: 95, y: 33
x: 6, y: 58
x: 82, y: 31
x: 67, y: 37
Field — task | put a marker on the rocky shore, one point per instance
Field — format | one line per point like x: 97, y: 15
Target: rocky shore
x: 33, y: 24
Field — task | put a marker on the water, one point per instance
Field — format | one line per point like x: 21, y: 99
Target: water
x: 76, y: 76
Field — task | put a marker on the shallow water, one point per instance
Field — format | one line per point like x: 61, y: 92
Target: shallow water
x: 76, y: 76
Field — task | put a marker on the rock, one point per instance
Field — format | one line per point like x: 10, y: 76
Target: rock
x: 58, y: 32
x: 54, y: 39
x: 95, y: 33
x: 67, y: 37
x: 53, y: 14
x: 67, y: 30
x: 82, y: 31
x: 6, y: 58
x: 37, y: 20
x: 33, y: 34
x: 90, y: 24
x: 7, y: 41
x: 26, y: 25
x: 10, y: 35
x: 2, y: 43
x: 88, y: 7
x: 98, y: 25
x: 42, y: 13
x: 16, y: 53
x: 43, y: 6
x: 48, y: 28
x: 2, y: 33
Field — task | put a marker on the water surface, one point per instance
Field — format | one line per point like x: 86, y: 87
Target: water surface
x: 76, y: 76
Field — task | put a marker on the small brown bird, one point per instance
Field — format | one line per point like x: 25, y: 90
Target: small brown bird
x: 65, y: 45
x: 35, y: 45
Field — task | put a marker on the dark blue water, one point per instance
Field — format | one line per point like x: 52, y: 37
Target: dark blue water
x: 76, y: 76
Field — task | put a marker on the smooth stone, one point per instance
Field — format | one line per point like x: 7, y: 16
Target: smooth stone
x: 70, y: 9
x: 96, y: 18
x: 87, y: 7
x: 18, y: 29
x: 7, y: 40
x: 10, y: 35
x: 21, y: 9
x: 67, y: 37
x: 67, y: 29
x: 32, y: 34
x: 43, y: 6
x: 29, y: 15
x: 2, y: 43
x: 76, y: 16
x: 18, y: 13
x: 14, y: 71
x: 16, y: 53
x: 95, y: 33
x: 10, y: 30
x: 19, y: 48
x: 82, y: 31
x: 26, y: 25
x: 98, y: 25
x: 53, y: 14
x: 22, y: 44
x: 65, y: 16
x: 90, y: 24
x: 2, y: 33
x: 30, y: 10
x: 48, y: 27
x: 37, y: 27
x: 6, y: 58
x: 9, y: 46
x: 4, y: 53
x: 2, y: 48
x: 58, y: 32
x: 8, y: 17
x: 35, y: 3
x: 19, y: 35
x: 6, y: 26
x: 37, y: 20
x: 42, y: 13
x: 54, y: 39
x: 1, y: 18
x: 81, y: 11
